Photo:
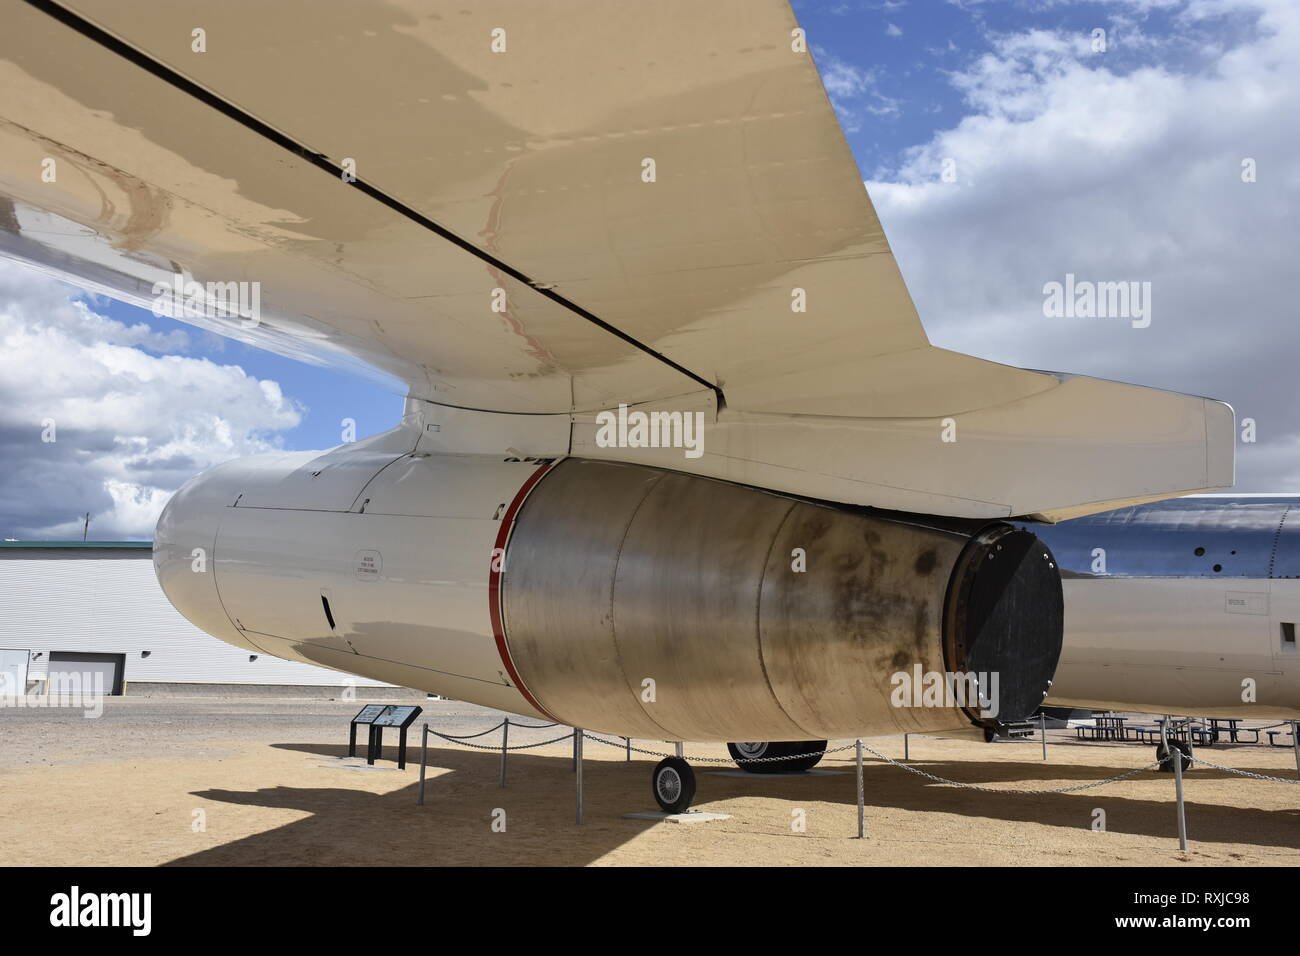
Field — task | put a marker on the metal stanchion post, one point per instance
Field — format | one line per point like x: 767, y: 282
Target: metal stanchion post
x: 1042, y: 726
x: 424, y: 753
x: 1177, y: 757
x: 1182, y: 816
x: 681, y: 749
x: 862, y: 826
x: 505, y: 746
x: 1295, y: 744
x: 628, y: 741
x: 906, y: 756
x: 577, y: 759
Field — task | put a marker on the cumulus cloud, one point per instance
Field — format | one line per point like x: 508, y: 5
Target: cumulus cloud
x: 853, y: 91
x: 1120, y: 167
x: 130, y: 424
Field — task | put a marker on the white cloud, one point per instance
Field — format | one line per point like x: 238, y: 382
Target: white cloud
x: 844, y: 80
x: 853, y: 91
x: 1066, y: 163
x: 131, y: 425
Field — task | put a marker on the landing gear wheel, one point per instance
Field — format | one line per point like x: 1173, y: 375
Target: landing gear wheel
x: 673, y: 783
x: 1183, y: 747
x: 744, y: 752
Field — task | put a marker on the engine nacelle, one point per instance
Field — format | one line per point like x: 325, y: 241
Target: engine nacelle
x: 615, y: 597
x: 680, y: 607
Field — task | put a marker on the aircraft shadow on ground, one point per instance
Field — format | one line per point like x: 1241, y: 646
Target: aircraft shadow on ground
x: 350, y: 826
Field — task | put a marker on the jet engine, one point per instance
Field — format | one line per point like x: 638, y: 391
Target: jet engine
x: 616, y: 597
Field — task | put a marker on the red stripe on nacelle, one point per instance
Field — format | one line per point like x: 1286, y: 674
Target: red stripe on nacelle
x: 494, y: 588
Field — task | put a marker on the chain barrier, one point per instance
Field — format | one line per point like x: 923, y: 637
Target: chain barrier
x: 625, y: 746
x: 656, y: 753
x: 468, y: 736
x: 974, y: 786
x: 1243, y: 773
x: 495, y: 727
x: 1283, y: 723
x: 497, y: 748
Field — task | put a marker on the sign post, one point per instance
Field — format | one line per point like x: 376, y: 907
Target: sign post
x: 365, y: 716
x: 396, y: 715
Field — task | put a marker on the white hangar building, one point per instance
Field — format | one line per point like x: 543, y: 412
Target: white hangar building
x: 85, y: 607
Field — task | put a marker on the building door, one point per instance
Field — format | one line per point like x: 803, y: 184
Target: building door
x: 13, y: 672
x: 78, y: 669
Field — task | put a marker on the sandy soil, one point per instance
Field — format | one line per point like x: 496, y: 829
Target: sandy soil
x: 294, y: 801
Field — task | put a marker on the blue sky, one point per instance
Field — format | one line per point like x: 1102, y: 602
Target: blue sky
x: 890, y: 66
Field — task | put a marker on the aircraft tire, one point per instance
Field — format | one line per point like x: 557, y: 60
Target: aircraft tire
x: 1183, y: 748
x: 673, y: 783
x: 742, y: 753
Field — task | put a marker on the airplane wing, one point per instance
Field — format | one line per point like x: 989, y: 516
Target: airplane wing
x: 532, y: 208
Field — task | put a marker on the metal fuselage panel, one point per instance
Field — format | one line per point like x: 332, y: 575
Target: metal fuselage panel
x: 1179, y: 607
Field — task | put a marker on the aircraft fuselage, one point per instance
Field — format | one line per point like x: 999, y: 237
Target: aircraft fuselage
x: 1186, y: 606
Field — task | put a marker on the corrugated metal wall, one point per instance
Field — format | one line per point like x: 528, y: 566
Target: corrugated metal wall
x: 108, y: 601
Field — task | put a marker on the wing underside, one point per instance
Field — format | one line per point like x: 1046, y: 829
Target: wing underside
x: 524, y: 208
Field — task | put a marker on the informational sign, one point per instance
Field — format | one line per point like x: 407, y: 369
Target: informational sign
x: 397, y: 716
x: 368, y: 713
x: 375, y: 717
x: 366, y: 717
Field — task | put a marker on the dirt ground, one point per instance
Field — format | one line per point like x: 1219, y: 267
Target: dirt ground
x: 274, y: 790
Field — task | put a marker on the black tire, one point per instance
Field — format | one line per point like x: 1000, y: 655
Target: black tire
x: 1183, y: 748
x: 673, y: 783
x: 742, y: 753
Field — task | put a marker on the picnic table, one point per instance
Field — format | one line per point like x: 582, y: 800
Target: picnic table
x: 1204, y: 732
x: 1105, y: 727
x: 1232, y: 730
